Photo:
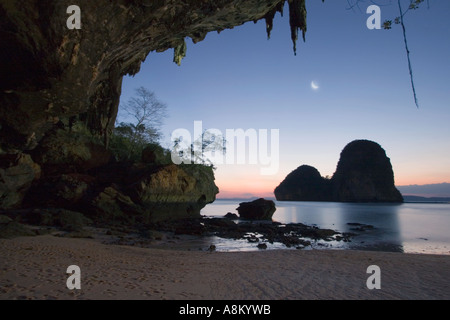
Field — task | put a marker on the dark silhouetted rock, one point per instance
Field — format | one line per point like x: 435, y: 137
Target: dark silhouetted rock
x: 231, y: 215
x: 260, y: 209
x: 304, y: 184
x: 364, y: 174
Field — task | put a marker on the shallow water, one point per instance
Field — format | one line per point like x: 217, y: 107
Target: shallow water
x: 407, y: 227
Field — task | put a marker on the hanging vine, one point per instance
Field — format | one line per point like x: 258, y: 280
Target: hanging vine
x: 400, y: 20
x: 414, y: 4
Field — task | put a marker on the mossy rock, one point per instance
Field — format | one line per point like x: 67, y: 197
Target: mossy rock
x: 64, y: 219
x: 14, y: 229
x: 71, y: 220
x: 4, y: 219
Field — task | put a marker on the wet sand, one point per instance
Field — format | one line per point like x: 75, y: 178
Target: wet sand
x: 35, y: 268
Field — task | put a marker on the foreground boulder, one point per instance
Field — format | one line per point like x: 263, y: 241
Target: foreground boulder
x: 260, y: 209
x: 149, y: 193
x: 11, y: 229
x: 174, y: 191
x: 129, y: 192
x: 17, y: 172
x: 364, y: 174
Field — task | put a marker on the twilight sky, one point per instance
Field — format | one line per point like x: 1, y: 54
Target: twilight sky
x: 239, y: 79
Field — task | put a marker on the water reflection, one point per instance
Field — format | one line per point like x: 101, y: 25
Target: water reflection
x: 384, y: 236
x: 408, y: 227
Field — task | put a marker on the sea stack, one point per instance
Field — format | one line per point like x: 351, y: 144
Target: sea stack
x: 363, y: 174
x: 304, y: 184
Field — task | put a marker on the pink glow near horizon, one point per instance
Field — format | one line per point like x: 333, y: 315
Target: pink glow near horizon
x: 253, y: 185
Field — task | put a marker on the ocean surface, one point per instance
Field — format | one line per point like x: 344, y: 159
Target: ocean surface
x: 407, y: 227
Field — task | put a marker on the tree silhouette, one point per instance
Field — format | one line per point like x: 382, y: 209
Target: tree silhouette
x: 130, y: 138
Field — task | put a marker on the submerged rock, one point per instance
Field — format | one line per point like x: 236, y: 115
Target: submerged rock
x: 260, y: 209
x: 231, y: 215
x: 257, y: 232
x: 262, y: 246
x: 360, y: 226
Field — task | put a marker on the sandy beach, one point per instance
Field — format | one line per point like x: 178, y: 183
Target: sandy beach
x: 35, y: 268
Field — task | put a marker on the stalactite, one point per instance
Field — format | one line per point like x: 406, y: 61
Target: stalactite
x: 297, y: 20
x: 179, y: 52
x: 271, y: 15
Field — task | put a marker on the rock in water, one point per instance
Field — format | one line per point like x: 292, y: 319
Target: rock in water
x: 262, y: 246
x: 231, y: 215
x: 304, y: 184
x: 364, y: 174
x: 260, y: 209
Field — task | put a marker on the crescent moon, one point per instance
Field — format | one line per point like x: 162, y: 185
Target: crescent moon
x: 314, y: 85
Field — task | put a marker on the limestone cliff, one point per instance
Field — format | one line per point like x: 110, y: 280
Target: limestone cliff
x: 60, y: 90
x: 363, y: 174
x: 52, y: 75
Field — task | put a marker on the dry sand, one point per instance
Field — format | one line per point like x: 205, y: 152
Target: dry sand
x: 35, y: 268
